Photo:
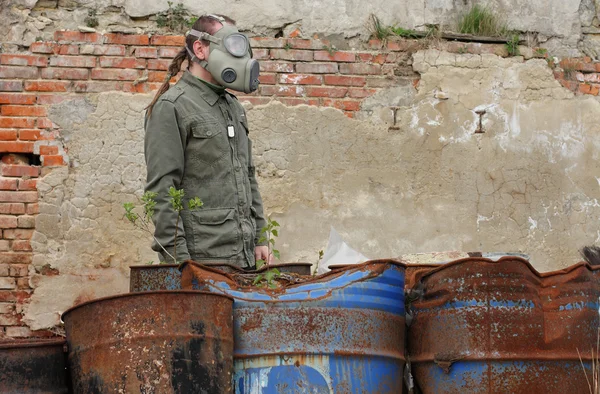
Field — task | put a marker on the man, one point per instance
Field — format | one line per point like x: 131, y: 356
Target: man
x: 197, y: 140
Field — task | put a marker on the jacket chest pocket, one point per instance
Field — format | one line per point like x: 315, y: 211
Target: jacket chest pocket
x: 208, y: 141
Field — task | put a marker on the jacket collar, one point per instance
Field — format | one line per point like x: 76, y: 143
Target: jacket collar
x: 209, y: 95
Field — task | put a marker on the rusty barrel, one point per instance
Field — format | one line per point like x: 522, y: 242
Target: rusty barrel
x: 33, y: 366
x: 164, y: 276
x: 342, y: 332
x: 484, y: 326
x: 152, y: 342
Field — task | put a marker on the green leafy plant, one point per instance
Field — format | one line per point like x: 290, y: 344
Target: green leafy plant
x: 463, y: 49
x: 512, y: 45
x: 144, y: 222
x: 406, y: 33
x: 91, y: 20
x: 287, y: 46
x: 377, y: 29
x: 175, y: 18
x: 268, y: 234
x: 481, y: 21
x: 541, y: 52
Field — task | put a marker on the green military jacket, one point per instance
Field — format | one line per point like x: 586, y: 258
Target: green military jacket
x: 197, y: 140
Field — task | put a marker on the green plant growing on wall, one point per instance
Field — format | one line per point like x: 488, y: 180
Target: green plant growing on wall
x: 481, y: 21
x: 512, y: 45
x: 377, y: 29
x: 268, y: 234
x: 175, y: 18
x: 144, y: 222
x: 91, y: 20
x: 330, y: 49
x: 287, y: 46
x: 405, y: 33
x: 318, y: 262
x: 541, y: 52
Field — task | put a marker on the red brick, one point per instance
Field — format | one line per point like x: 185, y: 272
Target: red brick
x: 23, y: 284
x: 8, y: 183
x: 277, y: 67
x: 593, y: 77
x: 65, y: 73
x: 16, y: 146
x: 146, y: 52
x: 317, y: 68
x: 122, y: 62
x: 361, y: 93
x: 158, y: 64
x: 12, y: 209
x: 66, y: 50
x: 18, y: 233
x: 23, y: 110
x: 261, y: 54
x: 381, y: 82
x: 52, y: 160
x: 76, y: 36
x: 27, y: 184
x: 42, y: 47
x: 335, y: 56
x: 292, y: 101
x: 32, y: 209
x: 16, y: 72
x: 268, y: 79
x: 51, y: 99
x: 18, y: 270
x: 11, y: 86
x: 589, y: 89
x: 382, y: 58
x: 292, y: 54
x: 15, y: 98
x: 19, y: 171
x: 168, y: 52
x: 73, y: 61
x: 364, y: 56
x: 97, y: 86
x: 126, y: 39
x: 18, y: 332
x: 15, y: 258
x: 301, y: 79
x: 48, y: 150
x: 24, y: 60
x: 360, y: 68
x: 17, y: 123
x: 44, y: 123
x: 3, y: 272
x: 168, y: 40
x: 9, y: 320
x: 157, y: 76
x: 8, y: 221
x: 103, y: 50
x: 8, y: 134
x: 117, y: 75
x: 281, y: 90
x: 267, y: 42
x: 30, y: 135
x: 375, y: 44
x: 26, y: 221
x: 15, y: 158
x: 21, y: 246
x: 47, y: 86
x: 339, y: 80
x: 315, y: 91
x: 299, y: 43
x: 344, y: 105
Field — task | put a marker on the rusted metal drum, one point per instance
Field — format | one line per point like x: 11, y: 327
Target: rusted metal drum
x: 290, y: 268
x: 33, y: 366
x: 152, y: 342
x: 165, y: 276
x: 501, y: 327
x: 342, y: 332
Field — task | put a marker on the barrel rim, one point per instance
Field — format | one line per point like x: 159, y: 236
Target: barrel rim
x: 503, y: 260
x: 32, y: 342
x: 153, y: 266
x: 142, y: 293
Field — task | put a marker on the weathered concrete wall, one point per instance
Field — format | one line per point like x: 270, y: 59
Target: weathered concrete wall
x: 565, y: 27
x: 528, y: 183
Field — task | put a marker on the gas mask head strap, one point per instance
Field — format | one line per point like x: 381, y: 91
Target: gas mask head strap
x: 200, y: 35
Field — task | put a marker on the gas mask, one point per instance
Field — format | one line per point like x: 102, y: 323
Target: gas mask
x: 230, y: 59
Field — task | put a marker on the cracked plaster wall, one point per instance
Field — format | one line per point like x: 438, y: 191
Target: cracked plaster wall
x: 557, y: 25
x: 428, y: 183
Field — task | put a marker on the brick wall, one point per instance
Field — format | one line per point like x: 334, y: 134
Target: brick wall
x: 293, y: 71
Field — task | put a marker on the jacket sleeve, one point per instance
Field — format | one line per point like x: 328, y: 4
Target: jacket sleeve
x: 257, y: 203
x: 164, y: 147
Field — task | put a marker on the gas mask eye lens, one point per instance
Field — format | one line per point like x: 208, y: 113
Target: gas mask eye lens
x: 236, y: 44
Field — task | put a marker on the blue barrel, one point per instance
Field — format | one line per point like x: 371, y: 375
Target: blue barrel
x: 484, y: 326
x: 339, y: 333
